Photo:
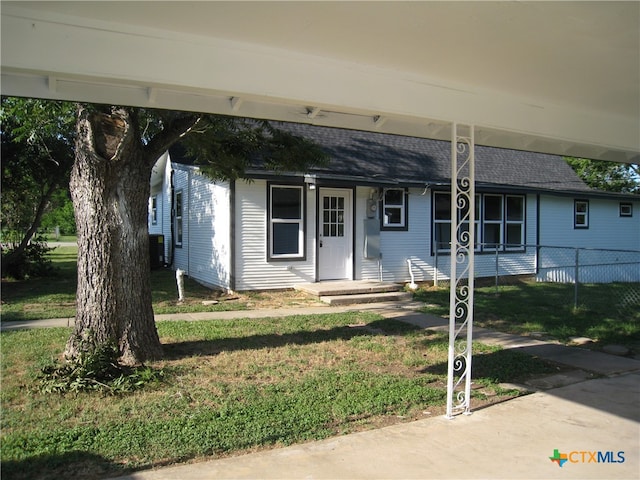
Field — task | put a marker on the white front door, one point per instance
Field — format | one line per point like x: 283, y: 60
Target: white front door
x: 335, y: 244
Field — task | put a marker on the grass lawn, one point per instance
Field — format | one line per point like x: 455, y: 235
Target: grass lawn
x: 234, y: 386
x: 54, y: 297
x: 547, y: 309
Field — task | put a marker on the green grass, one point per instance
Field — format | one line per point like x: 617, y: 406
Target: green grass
x: 50, y: 237
x: 548, y: 309
x: 54, y: 296
x: 231, y: 387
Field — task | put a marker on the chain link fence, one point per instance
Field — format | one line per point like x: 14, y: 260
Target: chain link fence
x: 589, y: 278
x: 599, y: 276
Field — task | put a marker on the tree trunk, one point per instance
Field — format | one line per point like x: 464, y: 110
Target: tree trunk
x: 110, y: 191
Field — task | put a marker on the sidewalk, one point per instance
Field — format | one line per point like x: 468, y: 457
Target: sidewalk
x: 513, y: 439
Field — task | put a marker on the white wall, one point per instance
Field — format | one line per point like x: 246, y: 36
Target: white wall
x: 606, y: 228
x: 253, y: 271
x: 415, y: 244
x: 205, y: 254
x: 608, y: 232
x: 208, y: 233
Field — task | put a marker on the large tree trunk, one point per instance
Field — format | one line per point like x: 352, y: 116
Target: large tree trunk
x: 110, y: 191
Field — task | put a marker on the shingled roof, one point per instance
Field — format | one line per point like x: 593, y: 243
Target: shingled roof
x: 410, y: 160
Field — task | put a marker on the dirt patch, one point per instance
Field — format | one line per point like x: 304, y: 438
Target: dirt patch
x: 277, y: 299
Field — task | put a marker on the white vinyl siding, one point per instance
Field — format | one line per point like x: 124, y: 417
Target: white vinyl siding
x: 557, y: 220
x: 396, y: 246
x: 205, y: 253
x: 206, y: 250
x: 253, y: 270
x: 209, y: 240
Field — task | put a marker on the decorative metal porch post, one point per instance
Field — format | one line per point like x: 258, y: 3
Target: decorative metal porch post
x: 462, y: 269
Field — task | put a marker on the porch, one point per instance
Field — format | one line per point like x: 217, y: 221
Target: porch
x: 345, y: 292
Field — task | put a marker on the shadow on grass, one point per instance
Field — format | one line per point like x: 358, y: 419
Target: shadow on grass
x: 525, y: 307
x: 501, y: 366
x: 178, y: 350
x: 75, y: 464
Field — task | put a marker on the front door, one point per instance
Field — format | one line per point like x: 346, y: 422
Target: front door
x: 335, y: 245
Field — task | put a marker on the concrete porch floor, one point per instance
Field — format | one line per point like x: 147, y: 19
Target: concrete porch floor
x: 348, y: 287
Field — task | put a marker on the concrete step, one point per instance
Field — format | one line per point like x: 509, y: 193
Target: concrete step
x: 347, y: 287
x: 378, y: 297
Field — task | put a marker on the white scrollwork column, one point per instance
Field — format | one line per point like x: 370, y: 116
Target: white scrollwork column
x: 462, y: 269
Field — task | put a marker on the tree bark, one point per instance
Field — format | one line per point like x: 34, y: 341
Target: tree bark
x: 110, y: 191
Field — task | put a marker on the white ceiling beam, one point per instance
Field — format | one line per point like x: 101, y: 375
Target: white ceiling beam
x: 110, y: 62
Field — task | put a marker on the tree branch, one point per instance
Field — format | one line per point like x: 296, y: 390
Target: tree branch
x: 174, y: 130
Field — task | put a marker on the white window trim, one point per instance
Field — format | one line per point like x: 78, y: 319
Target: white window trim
x: 402, y: 207
x: 576, y: 214
x: 154, y: 210
x: 480, y: 223
x: 626, y: 209
x: 178, y: 220
x: 508, y: 222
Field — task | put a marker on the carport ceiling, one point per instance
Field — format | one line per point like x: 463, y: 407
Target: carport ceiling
x: 560, y: 77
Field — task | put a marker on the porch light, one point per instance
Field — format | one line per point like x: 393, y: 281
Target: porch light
x: 310, y: 180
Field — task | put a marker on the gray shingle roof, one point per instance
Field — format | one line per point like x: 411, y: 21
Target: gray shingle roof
x: 396, y: 159
x: 417, y: 160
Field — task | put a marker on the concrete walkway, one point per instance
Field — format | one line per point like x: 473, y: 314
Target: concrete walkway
x: 585, y: 419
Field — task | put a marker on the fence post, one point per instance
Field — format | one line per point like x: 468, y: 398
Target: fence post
x: 577, y: 272
x: 497, y: 268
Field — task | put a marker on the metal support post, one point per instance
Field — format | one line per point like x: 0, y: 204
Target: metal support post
x: 462, y: 270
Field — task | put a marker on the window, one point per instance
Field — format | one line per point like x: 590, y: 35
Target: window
x: 499, y: 222
x: 394, y: 209
x: 514, y: 222
x: 442, y: 221
x: 154, y: 210
x: 581, y: 214
x: 492, y: 221
x: 333, y: 216
x: 626, y: 210
x: 286, y: 222
x: 178, y: 218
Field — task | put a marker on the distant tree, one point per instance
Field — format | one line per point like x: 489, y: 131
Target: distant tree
x: 60, y: 214
x: 37, y: 154
x: 607, y: 176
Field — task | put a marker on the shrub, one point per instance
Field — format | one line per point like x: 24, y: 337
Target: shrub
x: 33, y: 261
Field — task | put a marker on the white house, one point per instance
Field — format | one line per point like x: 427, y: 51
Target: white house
x: 381, y: 201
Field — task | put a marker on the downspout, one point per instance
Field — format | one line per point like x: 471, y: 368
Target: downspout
x: 412, y: 285
x: 172, y: 218
x: 232, y: 232
x: 188, y: 212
